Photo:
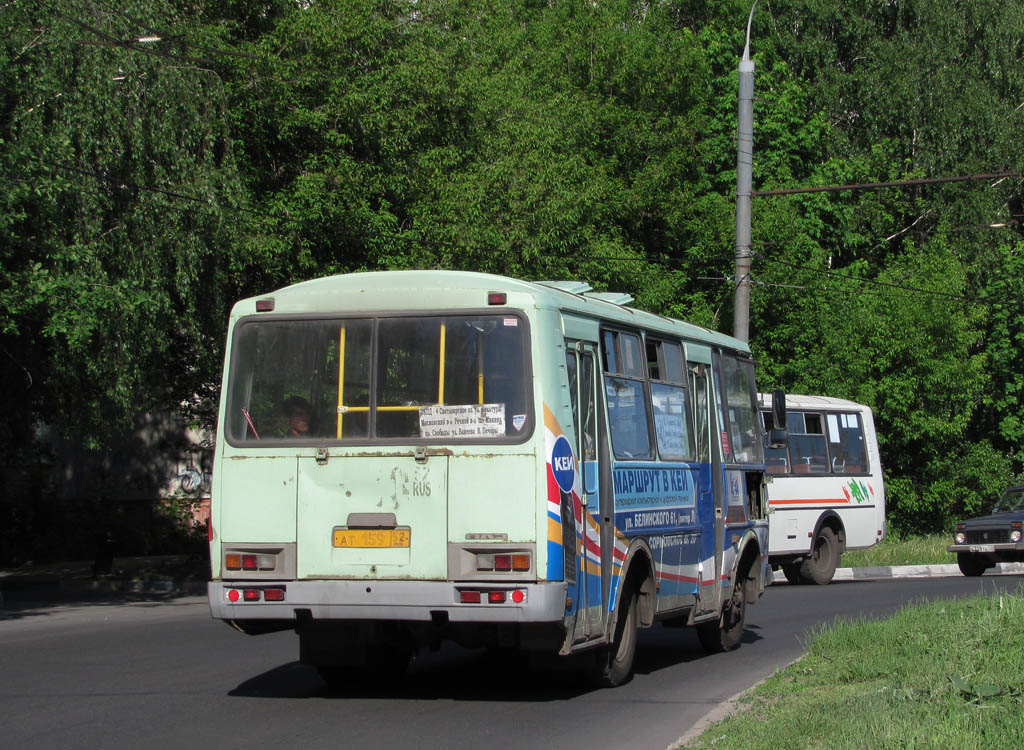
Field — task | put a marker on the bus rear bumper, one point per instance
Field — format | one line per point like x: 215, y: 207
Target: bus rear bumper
x: 388, y: 600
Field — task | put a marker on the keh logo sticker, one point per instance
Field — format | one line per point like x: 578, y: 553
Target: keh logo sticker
x: 563, y: 464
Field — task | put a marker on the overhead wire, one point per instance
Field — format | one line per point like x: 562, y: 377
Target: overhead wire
x: 876, y: 282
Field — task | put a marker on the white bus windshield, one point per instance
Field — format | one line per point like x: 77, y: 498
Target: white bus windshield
x: 418, y: 379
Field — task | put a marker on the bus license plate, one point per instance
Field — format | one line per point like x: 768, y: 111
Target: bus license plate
x: 371, y: 538
x: 983, y: 548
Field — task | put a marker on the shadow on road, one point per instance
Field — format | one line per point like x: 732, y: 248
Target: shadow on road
x: 662, y: 648
x: 460, y: 674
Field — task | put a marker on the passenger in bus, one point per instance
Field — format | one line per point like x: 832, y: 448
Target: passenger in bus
x: 300, y: 416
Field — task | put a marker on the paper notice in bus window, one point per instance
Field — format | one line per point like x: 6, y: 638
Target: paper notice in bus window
x: 671, y: 434
x: 833, y: 428
x: 462, y: 421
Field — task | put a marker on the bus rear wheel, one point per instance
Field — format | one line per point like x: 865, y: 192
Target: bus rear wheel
x: 821, y: 564
x: 613, y: 665
x: 725, y: 633
x: 792, y: 573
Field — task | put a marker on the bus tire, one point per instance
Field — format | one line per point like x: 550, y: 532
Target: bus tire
x: 724, y: 634
x: 820, y: 565
x: 971, y: 565
x: 613, y: 665
x: 792, y: 573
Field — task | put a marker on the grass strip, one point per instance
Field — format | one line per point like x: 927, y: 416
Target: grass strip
x: 909, y: 550
x: 948, y: 674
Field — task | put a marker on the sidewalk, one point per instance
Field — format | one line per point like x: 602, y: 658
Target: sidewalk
x: 908, y: 571
x: 166, y: 575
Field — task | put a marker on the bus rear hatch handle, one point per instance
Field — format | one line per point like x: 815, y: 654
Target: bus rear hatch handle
x: 372, y: 521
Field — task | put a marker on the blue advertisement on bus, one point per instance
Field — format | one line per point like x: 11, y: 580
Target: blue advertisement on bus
x: 653, y: 499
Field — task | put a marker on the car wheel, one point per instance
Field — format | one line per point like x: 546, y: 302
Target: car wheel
x: 971, y: 565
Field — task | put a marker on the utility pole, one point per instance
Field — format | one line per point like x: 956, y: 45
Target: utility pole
x: 744, y: 179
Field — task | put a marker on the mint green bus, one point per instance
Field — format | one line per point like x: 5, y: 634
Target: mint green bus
x: 409, y: 457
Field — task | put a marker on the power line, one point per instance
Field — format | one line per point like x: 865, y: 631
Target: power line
x: 890, y: 285
x: 129, y: 45
x: 441, y: 245
x: 725, y: 280
x: 896, y: 183
x: 180, y: 39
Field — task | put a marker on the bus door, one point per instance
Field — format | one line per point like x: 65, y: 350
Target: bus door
x: 709, y: 491
x: 594, y: 533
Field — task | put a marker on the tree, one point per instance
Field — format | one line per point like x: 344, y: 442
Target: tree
x: 116, y: 226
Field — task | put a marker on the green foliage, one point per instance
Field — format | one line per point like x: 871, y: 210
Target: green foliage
x: 151, y: 183
x: 114, y: 231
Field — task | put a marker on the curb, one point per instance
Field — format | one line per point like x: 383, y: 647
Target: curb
x: 723, y: 710
x: 881, y: 572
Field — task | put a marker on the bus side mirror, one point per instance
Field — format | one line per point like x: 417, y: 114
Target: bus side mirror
x: 777, y: 437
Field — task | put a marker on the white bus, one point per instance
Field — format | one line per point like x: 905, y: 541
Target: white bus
x: 825, y: 488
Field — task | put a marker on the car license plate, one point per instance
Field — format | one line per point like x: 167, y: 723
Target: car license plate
x: 983, y: 548
x: 372, y: 538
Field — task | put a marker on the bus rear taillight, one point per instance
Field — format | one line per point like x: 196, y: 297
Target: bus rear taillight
x: 505, y: 562
x: 491, y: 596
x: 274, y: 594
x: 249, y: 561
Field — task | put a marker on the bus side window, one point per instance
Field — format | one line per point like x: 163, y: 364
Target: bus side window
x: 846, y: 444
x: 807, y: 443
x: 669, y: 399
x: 625, y: 370
x: 627, y: 418
x: 701, y: 428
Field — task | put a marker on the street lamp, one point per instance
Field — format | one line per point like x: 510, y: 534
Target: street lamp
x: 744, y: 169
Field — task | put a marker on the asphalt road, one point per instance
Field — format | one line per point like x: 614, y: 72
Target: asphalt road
x: 162, y: 674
